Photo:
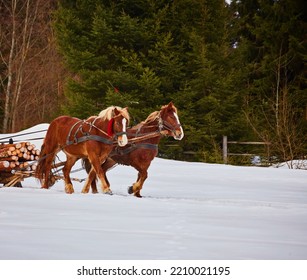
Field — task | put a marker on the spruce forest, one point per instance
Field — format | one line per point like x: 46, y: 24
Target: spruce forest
x: 232, y: 68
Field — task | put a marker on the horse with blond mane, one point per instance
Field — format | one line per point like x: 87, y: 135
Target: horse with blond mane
x: 92, y: 138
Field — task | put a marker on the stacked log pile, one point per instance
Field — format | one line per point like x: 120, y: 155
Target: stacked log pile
x: 16, y: 160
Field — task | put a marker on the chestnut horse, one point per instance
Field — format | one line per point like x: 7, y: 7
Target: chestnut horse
x: 143, y: 146
x: 91, y: 138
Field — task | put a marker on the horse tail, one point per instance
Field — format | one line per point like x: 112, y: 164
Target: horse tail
x: 41, y: 167
x: 43, y: 170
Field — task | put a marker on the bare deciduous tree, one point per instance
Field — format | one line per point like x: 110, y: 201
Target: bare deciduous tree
x: 30, y: 67
x: 276, y: 118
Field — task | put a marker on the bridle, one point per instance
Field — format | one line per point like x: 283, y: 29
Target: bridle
x: 164, y: 125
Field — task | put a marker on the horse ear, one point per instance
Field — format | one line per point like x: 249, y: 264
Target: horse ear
x: 170, y: 105
x: 115, y: 111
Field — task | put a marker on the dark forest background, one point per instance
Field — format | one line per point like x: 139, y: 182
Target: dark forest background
x: 235, y: 69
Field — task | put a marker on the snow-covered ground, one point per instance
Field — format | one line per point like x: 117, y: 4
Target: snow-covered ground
x: 189, y: 211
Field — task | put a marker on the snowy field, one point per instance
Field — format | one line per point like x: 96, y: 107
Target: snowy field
x: 190, y: 211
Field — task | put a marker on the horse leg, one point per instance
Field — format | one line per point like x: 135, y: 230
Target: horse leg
x: 66, y: 170
x: 109, y: 162
x: 100, y: 173
x: 105, y: 185
x: 91, y: 180
x: 94, y: 186
x: 87, y: 166
x: 137, y: 186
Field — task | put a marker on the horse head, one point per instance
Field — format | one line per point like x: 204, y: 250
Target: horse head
x: 169, y: 122
x: 118, y: 125
x: 117, y: 119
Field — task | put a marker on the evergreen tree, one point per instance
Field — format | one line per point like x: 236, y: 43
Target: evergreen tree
x: 209, y: 94
x: 273, y: 51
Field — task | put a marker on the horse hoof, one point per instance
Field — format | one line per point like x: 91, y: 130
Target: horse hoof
x: 69, y: 189
x: 109, y: 192
x: 130, y: 190
x: 69, y: 192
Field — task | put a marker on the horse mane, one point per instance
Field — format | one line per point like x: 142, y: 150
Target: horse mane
x: 154, y: 115
x: 107, y: 114
x: 125, y: 113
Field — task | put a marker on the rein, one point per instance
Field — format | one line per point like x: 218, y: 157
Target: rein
x: 145, y: 136
x: 22, y: 134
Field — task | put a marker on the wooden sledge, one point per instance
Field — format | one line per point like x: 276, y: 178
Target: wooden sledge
x: 13, y: 176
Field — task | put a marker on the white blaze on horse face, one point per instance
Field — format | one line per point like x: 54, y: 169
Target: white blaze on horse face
x: 178, y: 135
x: 123, y: 140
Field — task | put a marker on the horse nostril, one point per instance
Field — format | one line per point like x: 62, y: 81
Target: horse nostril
x: 179, y: 135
